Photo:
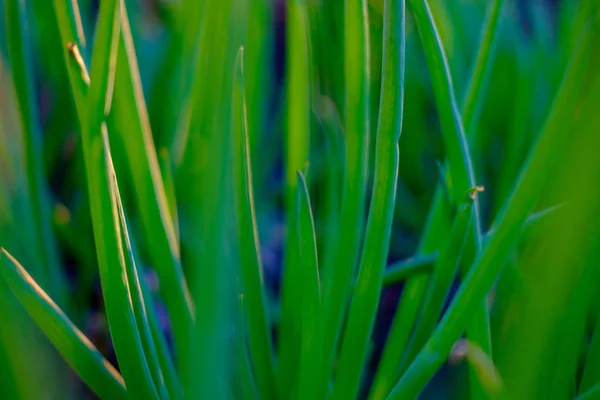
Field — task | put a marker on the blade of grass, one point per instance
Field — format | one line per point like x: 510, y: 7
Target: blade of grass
x: 377, y: 236
x: 204, y: 182
x: 251, y: 264
x: 490, y: 260
x: 167, y: 173
x: 401, y: 270
x: 592, y: 394
x: 297, y: 142
x: 474, y: 97
x: 454, y: 138
x: 438, y: 289
x: 338, y: 277
x: 17, y: 34
x: 72, y: 344
x: 107, y: 231
x: 591, y: 370
x: 137, y: 299
x: 311, y: 353
x: 486, y: 372
x: 132, y: 129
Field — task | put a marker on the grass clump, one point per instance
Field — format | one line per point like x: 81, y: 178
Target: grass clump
x: 273, y: 200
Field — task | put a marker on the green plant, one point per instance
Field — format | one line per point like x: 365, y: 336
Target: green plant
x: 506, y: 269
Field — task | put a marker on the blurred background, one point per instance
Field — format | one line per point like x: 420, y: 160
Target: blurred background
x: 531, y: 55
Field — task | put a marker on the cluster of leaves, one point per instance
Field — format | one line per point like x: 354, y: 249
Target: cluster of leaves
x: 505, y: 281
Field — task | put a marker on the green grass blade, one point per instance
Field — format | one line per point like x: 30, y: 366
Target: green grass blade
x: 377, y: 236
x: 438, y: 289
x: 485, y: 371
x: 591, y: 371
x: 310, y: 358
x: 592, y: 394
x: 251, y: 265
x: 131, y: 120
x: 73, y: 345
x: 138, y: 301
x: 69, y: 22
x: 296, y: 142
x: 204, y: 184
x: 350, y: 230
x: 167, y: 173
x: 401, y: 270
x: 103, y: 203
x: 508, y: 224
x: 474, y: 97
x: 17, y: 35
x: 457, y: 154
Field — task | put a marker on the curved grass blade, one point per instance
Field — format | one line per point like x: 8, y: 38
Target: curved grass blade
x: 131, y: 120
x: 252, y: 279
x: 72, y: 344
x: 458, y: 157
x: 103, y: 204
x: 311, y: 352
x: 485, y: 371
x: 339, y: 275
x: 592, y: 394
x: 377, y: 236
x: 401, y: 270
x: 297, y: 142
x: 490, y: 260
x: 17, y: 35
x: 438, y: 289
x: 478, y: 82
x: 137, y: 298
x: 205, y: 181
x: 167, y: 173
x: 591, y: 370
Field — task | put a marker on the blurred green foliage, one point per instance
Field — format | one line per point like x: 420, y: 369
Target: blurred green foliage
x: 295, y: 199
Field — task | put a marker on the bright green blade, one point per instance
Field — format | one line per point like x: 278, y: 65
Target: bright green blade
x: 491, y: 259
x: 377, y: 236
x: 401, y: 270
x: 138, y: 301
x: 251, y: 265
x: 591, y: 372
x: 311, y: 345
x: 457, y: 154
x: 103, y: 202
x: 204, y: 185
x: 296, y: 142
x: 48, y: 273
x: 438, y: 289
x: 74, y: 346
x: 131, y: 130
x: 339, y: 274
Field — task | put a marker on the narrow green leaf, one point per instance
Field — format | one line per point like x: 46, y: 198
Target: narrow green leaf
x: 72, y: 344
x: 17, y: 34
x: 490, y: 260
x: 377, y: 236
x: 138, y: 301
x: 338, y: 277
x: 296, y: 142
x: 401, y: 270
x: 457, y: 154
x: 485, y: 371
x: 474, y: 97
x: 438, y: 289
x: 311, y: 352
x: 591, y: 371
x: 103, y: 203
x: 248, y: 241
x: 132, y: 129
x: 592, y: 394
